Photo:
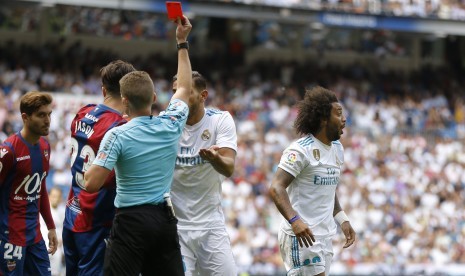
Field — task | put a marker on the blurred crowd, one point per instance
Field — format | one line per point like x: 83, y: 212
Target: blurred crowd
x: 66, y: 19
x: 109, y: 22
x: 403, y: 185
x: 450, y: 9
x: 145, y: 25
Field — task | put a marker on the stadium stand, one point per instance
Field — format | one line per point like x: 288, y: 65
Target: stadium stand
x: 450, y: 10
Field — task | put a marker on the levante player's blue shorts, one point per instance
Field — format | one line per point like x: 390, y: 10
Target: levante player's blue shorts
x: 85, y: 251
x: 24, y: 260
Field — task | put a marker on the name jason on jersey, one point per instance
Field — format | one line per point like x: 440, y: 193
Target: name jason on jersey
x: 84, y: 128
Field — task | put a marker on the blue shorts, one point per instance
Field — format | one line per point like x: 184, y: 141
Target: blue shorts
x: 85, y: 251
x: 24, y: 260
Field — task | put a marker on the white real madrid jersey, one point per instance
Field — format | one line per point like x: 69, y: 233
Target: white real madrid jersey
x: 196, y: 188
x: 317, y: 169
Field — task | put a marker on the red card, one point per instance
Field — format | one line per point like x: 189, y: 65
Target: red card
x: 174, y: 10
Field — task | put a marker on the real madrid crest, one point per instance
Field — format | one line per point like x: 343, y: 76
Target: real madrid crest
x: 316, y: 154
x: 205, y: 135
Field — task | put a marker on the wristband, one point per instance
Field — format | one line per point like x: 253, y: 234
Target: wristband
x: 341, y: 217
x: 183, y: 45
x: 293, y: 219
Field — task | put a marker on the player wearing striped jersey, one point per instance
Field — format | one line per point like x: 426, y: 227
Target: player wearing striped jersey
x: 206, y: 156
x: 24, y: 165
x: 304, y: 187
x: 88, y: 217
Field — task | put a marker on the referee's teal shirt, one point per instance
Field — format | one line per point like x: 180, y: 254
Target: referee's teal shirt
x: 143, y: 154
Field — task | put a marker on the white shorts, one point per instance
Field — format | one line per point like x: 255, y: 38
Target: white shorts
x: 207, y: 252
x: 302, y: 260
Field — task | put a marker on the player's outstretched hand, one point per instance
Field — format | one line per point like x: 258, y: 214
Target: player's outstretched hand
x: 303, y: 233
x: 349, y: 233
x: 52, y: 241
x: 183, y: 29
x: 209, y: 154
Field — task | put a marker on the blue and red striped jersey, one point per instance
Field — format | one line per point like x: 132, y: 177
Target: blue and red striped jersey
x: 23, y: 191
x: 85, y: 211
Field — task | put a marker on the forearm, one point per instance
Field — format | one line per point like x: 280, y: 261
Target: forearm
x: 282, y: 202
x: 278, y: 193
x: 223, y: 165
x: 45, y: 208
x: 184, y: 74
x: 337, y: 206
x: 339, y: 214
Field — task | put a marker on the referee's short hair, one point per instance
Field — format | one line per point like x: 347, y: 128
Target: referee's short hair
x: 137, y: 87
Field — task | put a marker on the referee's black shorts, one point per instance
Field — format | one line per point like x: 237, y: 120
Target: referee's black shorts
x: 144, y: 239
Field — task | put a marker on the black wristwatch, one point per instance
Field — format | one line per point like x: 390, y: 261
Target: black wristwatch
x: 183, y: 45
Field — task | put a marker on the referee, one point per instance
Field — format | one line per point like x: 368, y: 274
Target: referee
x: 144, y: 236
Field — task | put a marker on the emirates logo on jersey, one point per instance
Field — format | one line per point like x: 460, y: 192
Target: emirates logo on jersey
x: 206, y: 135
x: 11, y: 265
x: 316, y: 154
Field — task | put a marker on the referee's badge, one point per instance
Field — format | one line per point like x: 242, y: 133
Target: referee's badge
x: 102, y: 155
x: 206, y: 135
x: 316, y: 154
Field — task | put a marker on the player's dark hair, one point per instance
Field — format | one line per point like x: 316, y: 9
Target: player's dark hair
x: 33, y: 100
x: 198, y: 81
x: 112, y: 73
x: 315, y: 107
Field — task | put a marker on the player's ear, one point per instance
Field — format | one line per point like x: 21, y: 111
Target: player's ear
x: 104, y: 92
x: 204, y: 95
x: 125, y: 101
x: 24, y: 116
x: 154, y: 96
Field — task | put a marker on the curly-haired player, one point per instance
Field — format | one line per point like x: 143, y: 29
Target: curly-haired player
x: 310, y: 170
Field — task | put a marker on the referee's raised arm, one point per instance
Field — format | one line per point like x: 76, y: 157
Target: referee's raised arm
x: 184, y: 75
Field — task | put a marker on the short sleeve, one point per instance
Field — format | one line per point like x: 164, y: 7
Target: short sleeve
x: 110, y: 149
x: 293, y: 161
x: 339, y: 152
x: 177, y: 112
x: 227, y: 137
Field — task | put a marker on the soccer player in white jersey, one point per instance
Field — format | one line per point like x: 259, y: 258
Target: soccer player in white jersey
x: 304, y: 187
x: 206, y: 156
